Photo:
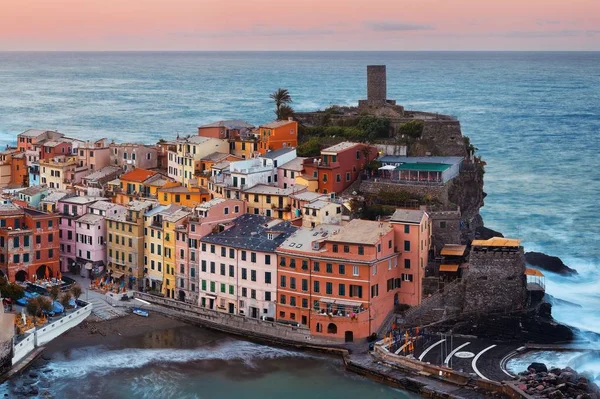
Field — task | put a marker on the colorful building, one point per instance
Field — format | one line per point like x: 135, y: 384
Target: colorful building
x: 272, y: 201
x: 183, y: 196
x: 134, y: 185
x: 125, y: 243
x: 184, y: 163
x: 228, y: 129
x: 28, y: 243
x: 33, y: 195
x: 55, y: 148
x: 339, y: 166
x: 204, y: 219
x: 33, y: 138
x: 341, y: 282
x: 61, y: 172
x: 130, y: 156
x: 287, y: 172
x: 238, y: 271
x: 172, y: 221
x: 277, y: 135
x: 72, y: 208
x: 412, y: 231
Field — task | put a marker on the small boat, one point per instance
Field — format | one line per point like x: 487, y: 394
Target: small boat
x: 140, y: 312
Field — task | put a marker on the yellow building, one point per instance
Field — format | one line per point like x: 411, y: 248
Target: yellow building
x: 125, y: 243
x: 272, y: 201
x: 183, y: 196
x: 245, y: 147
x: 159, y: 244
x: 170, y: 222
x: 61, y: 172
x: 183, y: 164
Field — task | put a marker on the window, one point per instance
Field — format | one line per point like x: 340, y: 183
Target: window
x: 407, y: 245
x: 267, y: 259
x: 223, y: 251
x: 346, y: 248
x: 222, y: 269
x: 267, y: 296
x: 50, y: 253
x: 293, y: 283
x: 355, y: 291
x: 243, y: 255
x: 203, y: 285
x: 231, y: 290
x: 244, y: 293
x: 304, y: 264
x: 25, y: 258
x: 231, y: 271
x: 442, y: 224
x: 348, y: 178
x: 342, y: 289
x: 203, y: 266
x: 378, y: 247
x: 253, y: 257
x: 15, y: 258
x: 212, y: 286
x: 407, y: 277
x: 375, y: 269
x: 304, y: 304
x: 223, y: 288
x: 212, y: 248
x: 407, y: 263
x: 203, y: 247
x: 244, y: 273
x: 316, y: 267
x: 316, y: 287
x: 342, y: 269
x: 338, y: 178
x: 253, y: 294
x: 329, y: 288
x: 329, y: 268
x: 267, y: 277
x: 282, y: 299
x: 293, y: 263
x: 361, y: 250
x: 335, y: 248
x: 252, y: 275
x: 406, y: 229
x: 212, y: 267
x: 292, y: 303
x: 357, y: 154
x: 374, y: 290
x: 324, y: 177
x: 282, y: 282
x: 282, y: 261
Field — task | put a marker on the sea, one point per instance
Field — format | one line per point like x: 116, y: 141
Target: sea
x: 534, y: 117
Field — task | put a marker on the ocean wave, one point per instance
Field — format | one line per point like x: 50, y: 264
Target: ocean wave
x: 101, y: 362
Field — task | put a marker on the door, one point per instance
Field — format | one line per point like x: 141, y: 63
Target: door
x: 231, y: 308
x: 203, y: 302
x: 211, y: 303
x: 348, y: 336
x: 254, y: 313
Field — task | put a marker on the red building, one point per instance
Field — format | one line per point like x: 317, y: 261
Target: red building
x: 29, y: 243
x: 339, y: 166
x: 339, y: 281
x: 56, y: 147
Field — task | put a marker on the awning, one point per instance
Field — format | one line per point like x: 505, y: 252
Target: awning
x: 497, y: 242
x: 533, y: 272
x: 334, y: 301
x: 117, y: 275
x: 387, y: 167
x: 453, y: 250
x: 89, y: 266
x: 448, y: 268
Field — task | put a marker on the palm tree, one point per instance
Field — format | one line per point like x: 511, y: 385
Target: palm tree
x: 285, y: 111
x: 280, y: 97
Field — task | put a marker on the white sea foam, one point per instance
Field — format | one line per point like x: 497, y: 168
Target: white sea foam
x: 92, y: 361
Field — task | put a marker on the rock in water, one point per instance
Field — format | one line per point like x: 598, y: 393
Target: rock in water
x: 538, y: 367
x: 549, y: 263
x: 484, y: 233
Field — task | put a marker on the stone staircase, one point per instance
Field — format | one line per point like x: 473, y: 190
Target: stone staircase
x: 433, y: 308
x: 106, y: 311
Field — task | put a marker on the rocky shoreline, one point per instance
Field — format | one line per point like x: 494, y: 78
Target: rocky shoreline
x: 556, y: 383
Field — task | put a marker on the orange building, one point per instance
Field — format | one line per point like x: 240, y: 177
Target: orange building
x: 29, y: 243
x: 341, y: 282
x: 19, y: 171
x: 412, y: 231
x: 276, y: 135
x: 228, y: 129
x: 339, y: 166
x: 133, y: 185
x: 183, y: 196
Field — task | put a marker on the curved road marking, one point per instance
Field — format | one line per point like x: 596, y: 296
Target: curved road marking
x: 447, y: 360
x: 430, y: 348
x: 402, y: 347
x: 476, y: 358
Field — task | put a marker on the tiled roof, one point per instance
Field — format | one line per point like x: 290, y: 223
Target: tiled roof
x: 295, y: 164
x: 33, y: 190
x: 274, y: 190
x: 251, y: 232
x: 408, y: 216
x: 104, y: 172
x: 215, y: 157
x: 90, y: 218
x: 303, y: 238
x: 138, y: 175
x: 229, y: 124
x: 276, y: 124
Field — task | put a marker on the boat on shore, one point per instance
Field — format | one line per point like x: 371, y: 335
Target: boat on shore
x: 140, y: 312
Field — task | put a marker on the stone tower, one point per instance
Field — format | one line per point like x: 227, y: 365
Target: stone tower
x: 377, y: 89
x: 376, y: 84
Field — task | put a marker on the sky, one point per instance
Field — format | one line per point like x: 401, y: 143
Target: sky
x: 233, y: 25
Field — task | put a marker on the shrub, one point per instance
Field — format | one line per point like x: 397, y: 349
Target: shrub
x: 412, y: 129
x: 65, y: 299
x: 38, y: 305
x: 54, y: 292
x: 76, y: 291
x: 374, y: 127
x: 10, y: 290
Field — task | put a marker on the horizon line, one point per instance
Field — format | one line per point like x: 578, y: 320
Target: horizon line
x: 300, y: 51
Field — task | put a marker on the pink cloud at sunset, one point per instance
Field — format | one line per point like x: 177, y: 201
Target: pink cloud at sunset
x: 303, y: 25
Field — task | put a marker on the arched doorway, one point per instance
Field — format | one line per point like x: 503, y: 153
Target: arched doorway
x: 43, y: 272
x: 21, y: 276
x: 331, y: 328
x: 182, y: 295
x: 348, y: 336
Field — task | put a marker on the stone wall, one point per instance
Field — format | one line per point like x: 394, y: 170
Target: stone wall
x: 446, y: 228
x: 436, y: 192
x: 376, y: 83
x: 234, y: 324
x: 495, y: 281
x: 7, y: 329
x: 449, y: 301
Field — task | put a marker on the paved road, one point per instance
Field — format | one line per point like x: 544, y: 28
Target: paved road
x: 470, y: 355
x: 102, y: 308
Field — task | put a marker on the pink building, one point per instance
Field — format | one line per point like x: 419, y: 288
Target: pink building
x: 412, y: 237
x: 132, y: 155
x: 238, y: 269
x: 204, y: 220
x: 53, y: 148
x: 70, y: 209
x: 94, y: 155
x: 286, y: 173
